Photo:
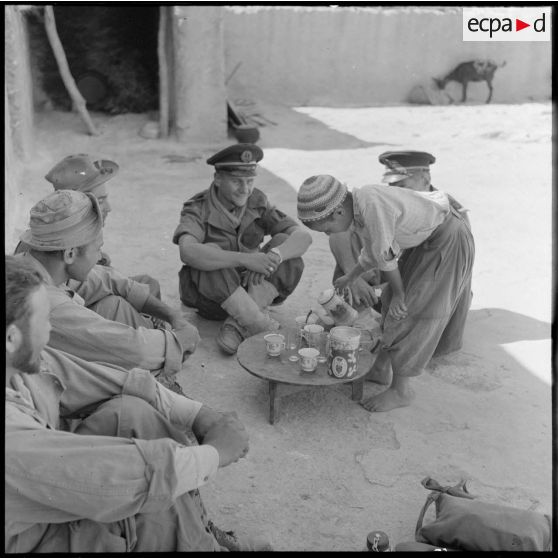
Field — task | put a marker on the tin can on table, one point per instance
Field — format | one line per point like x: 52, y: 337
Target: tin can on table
x: 344, y: 342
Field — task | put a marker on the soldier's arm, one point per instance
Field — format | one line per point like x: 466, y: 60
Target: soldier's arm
x: 296, y: 244
x: 207, y: 257
x: 210, y: 257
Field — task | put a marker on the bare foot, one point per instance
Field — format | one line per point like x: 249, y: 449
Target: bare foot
x: 393, y: 397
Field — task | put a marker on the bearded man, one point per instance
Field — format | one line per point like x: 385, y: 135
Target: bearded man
x: 98, y: 458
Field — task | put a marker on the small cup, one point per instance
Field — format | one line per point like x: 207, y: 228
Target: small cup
x: 293, y: 342
x: 308, y: 359
x: 300, y: 321
x: 274, y: 343
x: 311, y: 333
x: 321, y: 342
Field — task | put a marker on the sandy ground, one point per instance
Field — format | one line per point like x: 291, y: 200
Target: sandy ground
x: 328, y: 472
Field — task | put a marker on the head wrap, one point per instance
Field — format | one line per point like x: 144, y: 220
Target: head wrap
x: 81, y: 172
x: 319, y: 196
x: 64, y: 219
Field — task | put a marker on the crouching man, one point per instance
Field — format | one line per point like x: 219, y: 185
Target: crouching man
x: 227, y: 274
x: 125, y: 477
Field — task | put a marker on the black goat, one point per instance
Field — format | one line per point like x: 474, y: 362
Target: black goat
x: 474, y: 70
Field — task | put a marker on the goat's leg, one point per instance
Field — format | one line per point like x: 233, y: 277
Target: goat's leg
x: 464, y: 91
x: 489, y: 83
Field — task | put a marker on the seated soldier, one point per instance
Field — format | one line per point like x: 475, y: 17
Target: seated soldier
x: 64, y: 238
x: 411, y: 170
x: 126, y: 476
x: 227, y: 273
x: 105, y: 290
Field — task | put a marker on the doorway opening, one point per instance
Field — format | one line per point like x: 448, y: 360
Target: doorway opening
x: 111, y: 52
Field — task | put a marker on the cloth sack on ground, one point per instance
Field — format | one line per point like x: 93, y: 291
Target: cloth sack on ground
x: 465, y: 523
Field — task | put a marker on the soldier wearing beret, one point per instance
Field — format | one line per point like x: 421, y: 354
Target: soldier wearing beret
x: 403, y: 169
x: 227, y: 273
x: 422, y: 246
x: 105, y: 290
x: 64, y: 240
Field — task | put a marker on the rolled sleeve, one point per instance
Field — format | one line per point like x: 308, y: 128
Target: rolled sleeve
x: 194, y: 467
x: 186, y: 468
x: 191, y: 223
x: 174, y: 353
x: 386, y: 261
x: 54, y: 476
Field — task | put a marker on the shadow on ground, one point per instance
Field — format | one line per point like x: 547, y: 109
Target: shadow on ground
x: 327, y: 472
x: 306, y: 133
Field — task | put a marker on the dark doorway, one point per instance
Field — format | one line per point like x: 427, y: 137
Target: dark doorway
x: 111, y: 51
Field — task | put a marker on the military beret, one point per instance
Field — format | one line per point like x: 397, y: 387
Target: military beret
x: 240, y: 159
x: 400, y: 164
x: 81, y: 172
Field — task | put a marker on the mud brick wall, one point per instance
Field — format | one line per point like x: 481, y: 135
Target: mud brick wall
x: 18, y: 115
x: 355, y: 56
x: 199, y: 97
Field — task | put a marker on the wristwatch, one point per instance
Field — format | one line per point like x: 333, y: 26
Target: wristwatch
x: 276, y: 251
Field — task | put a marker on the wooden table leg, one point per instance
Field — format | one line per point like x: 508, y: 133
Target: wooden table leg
x: 358, y: 390
x: 272, y: 394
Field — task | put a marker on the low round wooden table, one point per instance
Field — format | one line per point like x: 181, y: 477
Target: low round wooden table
x: 253, y: 357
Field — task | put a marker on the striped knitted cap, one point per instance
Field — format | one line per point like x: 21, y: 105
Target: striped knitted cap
x: 319, y: 196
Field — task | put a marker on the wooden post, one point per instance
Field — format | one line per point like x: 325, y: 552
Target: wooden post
x: 163, y: 73
x: 200, y: 107
x: 67, y: 78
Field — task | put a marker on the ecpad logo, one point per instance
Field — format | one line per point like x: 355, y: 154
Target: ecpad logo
x: 507, y: 24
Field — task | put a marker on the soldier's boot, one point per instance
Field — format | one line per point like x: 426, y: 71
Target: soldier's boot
x: 246, y: 317
x: 263, y: 294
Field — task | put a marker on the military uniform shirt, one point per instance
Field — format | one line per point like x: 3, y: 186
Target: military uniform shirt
x: 54, y: 476
x: 201, y: 219
x: 84, y: 333
x: 104, y: 281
